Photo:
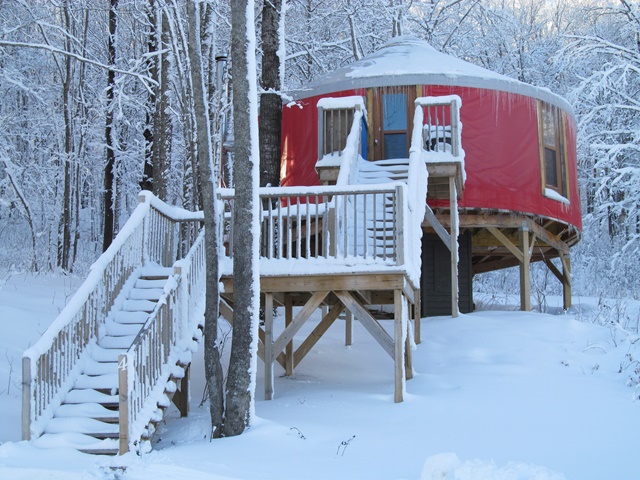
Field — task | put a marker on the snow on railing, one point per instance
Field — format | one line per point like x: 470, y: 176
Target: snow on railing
x: 339, y: 134
x: 440, y: 127
x: 164, y: 342
x: 329, y: 224
x: 50, y: 367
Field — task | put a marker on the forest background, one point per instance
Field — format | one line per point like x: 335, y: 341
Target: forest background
x: 97, y: 102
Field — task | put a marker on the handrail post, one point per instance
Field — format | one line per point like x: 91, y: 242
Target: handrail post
x: 399, y: 224
x: 26, y: 398
x: 321, y: 133
x: 123, y: 401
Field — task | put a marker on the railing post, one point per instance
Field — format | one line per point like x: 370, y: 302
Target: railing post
x: 123, y: 401
x: 26, y: 398
x: 399, y: 224
x: 320, y: 133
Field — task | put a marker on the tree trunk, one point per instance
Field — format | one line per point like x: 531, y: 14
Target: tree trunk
x: 152, y: 70
x: 109, y: 227
x: 242, y: 363
x: 270, y: 101
x: 64, y: 247
x: 213, y: 369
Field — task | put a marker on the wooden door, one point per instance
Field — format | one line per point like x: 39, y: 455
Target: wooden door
x: 393, y: 109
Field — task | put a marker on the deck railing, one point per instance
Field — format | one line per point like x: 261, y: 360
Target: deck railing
x: 160, y: 345
x: 51, y: 365
x: 440, y: 121
x: 330, y: 225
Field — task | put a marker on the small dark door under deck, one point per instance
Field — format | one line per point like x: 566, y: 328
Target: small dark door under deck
x: 436, y: 276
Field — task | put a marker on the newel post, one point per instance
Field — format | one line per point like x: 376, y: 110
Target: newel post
x: 123, y: 400
x: 399, y: 224
x: 26, y: 398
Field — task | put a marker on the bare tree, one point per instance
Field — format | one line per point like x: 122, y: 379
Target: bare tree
x: 109, y: 174
x: 241, y: 376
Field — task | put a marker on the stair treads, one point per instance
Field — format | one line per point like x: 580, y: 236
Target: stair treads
x: 104, y: 382
x: 156, y: 273
x: 75, y: 440
x: 89, y: 426
x: 100, y: 354
x: 93, y: 367
x: 90, y: 396
x: 138, y: 305
x: 122, y: 329
x: 147, y: 283
x: 146, y: 293
x: 89, y: 410
x: 117, y: 342
x: 130, y: 317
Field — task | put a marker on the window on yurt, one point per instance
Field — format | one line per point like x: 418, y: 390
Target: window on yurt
x: 552, y: 149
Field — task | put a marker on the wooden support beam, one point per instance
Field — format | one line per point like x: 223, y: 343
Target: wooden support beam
x: 437, y: 226
x: 306, y: 346
x: 566, y: 284
x: 417, y: 317
x: 288, y: 317
x: 227, y: 312
x: 399, y: 345
x: 348, y: 328
x: 181, y: 396
x: 367, y: 321
x: 557, y: 273
x: 525, y: 270
x: 303, y: 315
x: 507, y: 243
x: 453, y: 212
x: 268, y: 346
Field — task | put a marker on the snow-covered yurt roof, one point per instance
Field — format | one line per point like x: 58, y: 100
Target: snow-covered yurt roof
x: 408, y: 60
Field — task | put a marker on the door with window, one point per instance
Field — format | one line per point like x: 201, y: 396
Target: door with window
x: 393, y: 109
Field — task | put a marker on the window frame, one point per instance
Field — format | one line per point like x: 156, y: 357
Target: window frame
x: 547, y: 111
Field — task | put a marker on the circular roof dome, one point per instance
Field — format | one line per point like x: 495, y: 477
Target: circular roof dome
x: 408, y: 60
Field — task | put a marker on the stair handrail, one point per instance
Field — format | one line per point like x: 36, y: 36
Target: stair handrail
x: 164, y: 342
x: 51, y: 365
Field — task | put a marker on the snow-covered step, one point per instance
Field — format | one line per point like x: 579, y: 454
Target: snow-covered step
x: 138, y: 306
x: 88, y: 426
x: 116, y: 329
x: 156, y: 273
x: 88, y: 410
x: 150, y: 283
x: 117, y: 342
x: 79, y: 441
x: 91, y: 396
x: 130, y: 317
x: 98, y: 382
x: 146, y: 294
x: 92, y: 367
x: 100, y: 354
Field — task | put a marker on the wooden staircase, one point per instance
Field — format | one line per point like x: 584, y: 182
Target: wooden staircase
x: 88, y: 418
x: 380, y: 236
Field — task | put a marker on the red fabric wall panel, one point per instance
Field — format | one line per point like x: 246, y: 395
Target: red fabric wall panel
x: 500, y: 139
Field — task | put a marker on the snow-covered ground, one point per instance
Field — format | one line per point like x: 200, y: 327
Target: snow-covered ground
x: 497, y: 394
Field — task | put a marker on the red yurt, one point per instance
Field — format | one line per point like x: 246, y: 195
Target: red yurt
x: 519, y: 200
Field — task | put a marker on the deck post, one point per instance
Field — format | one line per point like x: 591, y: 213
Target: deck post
x: 453, y: 213
x: 26, y: 398
x: 123, y: 400
x: 399, y: 346
x: 525, y: 274
x: 566, y: 282
x: 268, y: 346
x: 288, y: 317
x: 348, y: 327
x: 416, y: 316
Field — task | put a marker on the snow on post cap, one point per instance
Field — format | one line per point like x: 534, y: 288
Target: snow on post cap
x: 408, y: 60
